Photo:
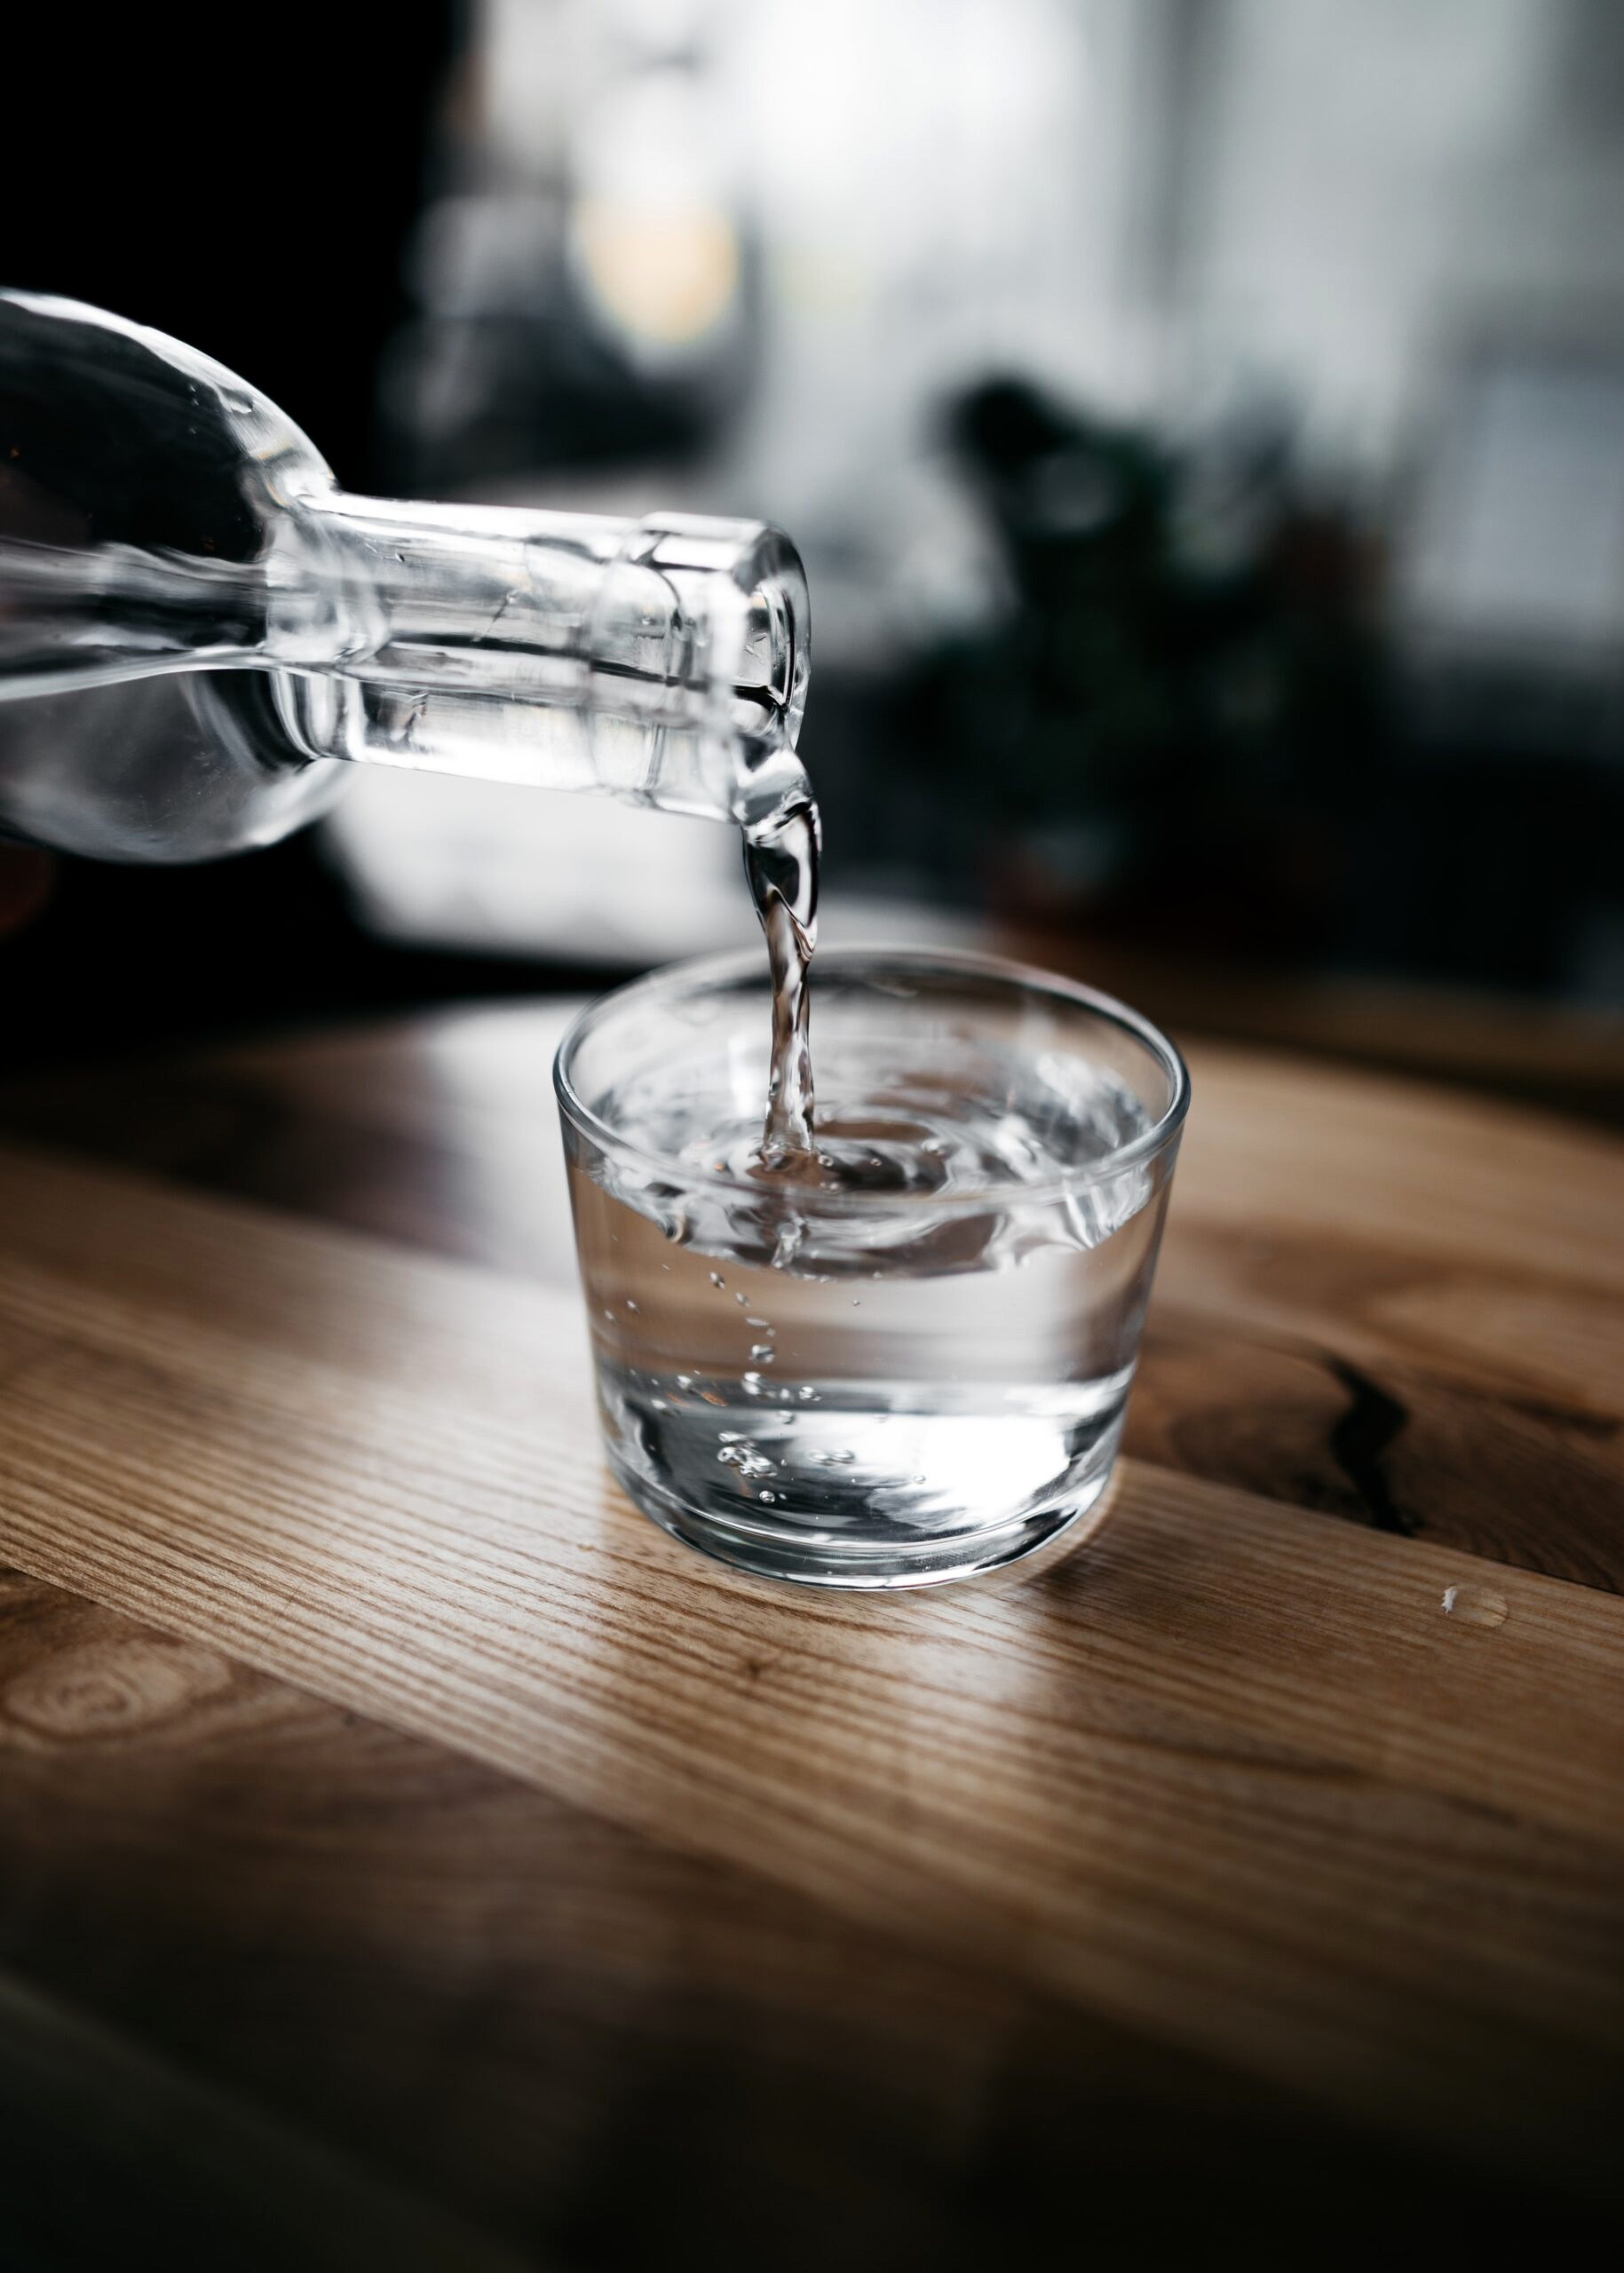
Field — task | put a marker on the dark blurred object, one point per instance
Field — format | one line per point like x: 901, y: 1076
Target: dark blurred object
x: 243, y: 183
x: 25, y: 879
x: 1175, y: 725
x: 1193, y: 730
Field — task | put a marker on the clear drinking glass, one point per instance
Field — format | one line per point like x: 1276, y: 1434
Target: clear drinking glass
x: 920, y: 1373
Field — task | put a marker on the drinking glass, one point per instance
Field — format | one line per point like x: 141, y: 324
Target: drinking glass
x: 916, y: 1368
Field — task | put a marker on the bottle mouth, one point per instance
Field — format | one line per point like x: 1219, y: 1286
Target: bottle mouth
x: 739, y: 649
x: 770, y: 690
x: 775, y: 654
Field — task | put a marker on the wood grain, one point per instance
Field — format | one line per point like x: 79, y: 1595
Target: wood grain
x: 373, y: 1476
x: 368, y: 1767
x: 1309, y: 1353
x: 470, y: 1990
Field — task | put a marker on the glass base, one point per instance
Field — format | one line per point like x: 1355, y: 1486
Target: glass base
x: 775, y: 1551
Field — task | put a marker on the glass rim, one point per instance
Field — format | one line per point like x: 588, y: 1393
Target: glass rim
x: 944, y: 961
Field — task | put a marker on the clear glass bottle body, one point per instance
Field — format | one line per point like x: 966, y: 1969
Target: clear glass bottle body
x: 161, y: 523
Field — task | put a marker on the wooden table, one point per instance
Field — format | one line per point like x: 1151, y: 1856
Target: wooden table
x: 412, y: 1857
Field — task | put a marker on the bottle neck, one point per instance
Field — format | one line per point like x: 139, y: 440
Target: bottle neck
x: 661, y: 661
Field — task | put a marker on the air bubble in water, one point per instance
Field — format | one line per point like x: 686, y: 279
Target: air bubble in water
x: 764, y: 1353
x: 717, y: 1279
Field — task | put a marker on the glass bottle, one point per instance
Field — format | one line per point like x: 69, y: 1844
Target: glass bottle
x: 199, y: 630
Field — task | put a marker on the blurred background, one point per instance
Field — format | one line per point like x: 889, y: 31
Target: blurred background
x: 1202, y: 420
